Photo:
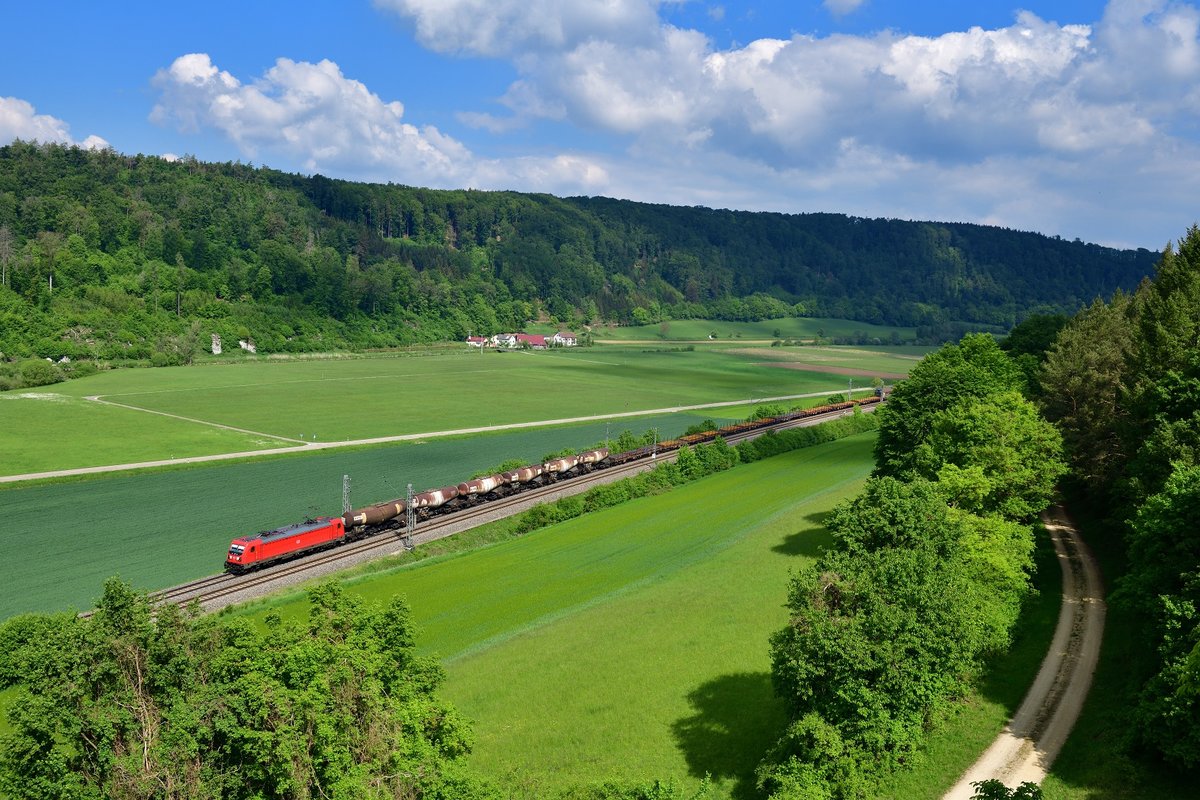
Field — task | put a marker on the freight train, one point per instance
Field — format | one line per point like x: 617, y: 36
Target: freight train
x: 268, y: 547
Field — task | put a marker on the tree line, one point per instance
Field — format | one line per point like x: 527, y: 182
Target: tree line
x: 111, y: 256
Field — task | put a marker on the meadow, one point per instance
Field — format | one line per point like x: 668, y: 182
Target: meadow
x: 47, y: 429
x: 163, y: 527
x: 350, y: 399
x: 765, y: 330
x: 887, y: 364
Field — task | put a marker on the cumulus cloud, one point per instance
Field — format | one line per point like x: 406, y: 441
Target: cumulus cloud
x: 1025, y: 88
x: 307, y: 112
x: 792, y: 101
x: 19, y: 120
x: 313, y: 115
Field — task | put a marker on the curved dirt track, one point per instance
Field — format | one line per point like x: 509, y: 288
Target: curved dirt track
x: 1031, y: 741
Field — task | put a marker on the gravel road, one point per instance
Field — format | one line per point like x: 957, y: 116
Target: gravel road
x: 1028, y: 745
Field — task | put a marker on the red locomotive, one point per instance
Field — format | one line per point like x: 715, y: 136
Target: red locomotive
x: 268, y: 547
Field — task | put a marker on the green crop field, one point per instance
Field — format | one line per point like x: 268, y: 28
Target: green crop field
x: 159, y: 529
x: 338, y: 400
x: 51, y: 430
x: 787, y: 328
x: 865, y: 360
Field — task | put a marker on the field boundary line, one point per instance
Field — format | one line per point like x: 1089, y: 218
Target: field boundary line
x: 306, y: 446
x: 97, y: 398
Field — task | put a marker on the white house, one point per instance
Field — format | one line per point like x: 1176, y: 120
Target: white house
x: 564, y: 339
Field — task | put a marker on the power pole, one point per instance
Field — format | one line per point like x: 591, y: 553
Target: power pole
x: 345, y: 494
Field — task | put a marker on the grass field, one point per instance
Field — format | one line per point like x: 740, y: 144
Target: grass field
x: 339, y: 400
x: 632, y: 643
x: 788, y: 328
x: 46, y: 430
x: 162, y: 528
x: 360, y: 399
x: 837, y: 358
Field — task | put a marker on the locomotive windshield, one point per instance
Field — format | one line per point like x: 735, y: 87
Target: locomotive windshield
x: 236, y: 550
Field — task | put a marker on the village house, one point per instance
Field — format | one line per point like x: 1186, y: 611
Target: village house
x: 563, y: 339
x: 531, y: 340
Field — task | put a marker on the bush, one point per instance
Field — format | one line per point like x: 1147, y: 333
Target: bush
x: 37, y: 372
x: 82, y: 369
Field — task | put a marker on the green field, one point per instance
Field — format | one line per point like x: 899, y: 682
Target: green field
x: 350, y: 399
x: 360, y: 399
x: 875, y: 362
x: 787, y: 328
x: 159, y: 529
x: 632, y: 643
x: 47, y: 430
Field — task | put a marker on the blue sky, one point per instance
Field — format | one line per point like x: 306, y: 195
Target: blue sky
x: 1073, y: 118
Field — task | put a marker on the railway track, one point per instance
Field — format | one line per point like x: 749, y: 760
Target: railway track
x: 216, y: 591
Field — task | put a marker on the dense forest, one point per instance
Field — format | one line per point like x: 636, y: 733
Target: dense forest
x: 117, y: 257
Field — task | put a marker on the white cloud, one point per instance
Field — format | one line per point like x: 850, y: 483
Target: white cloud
x: 1024, y: 89
x: 19, y: 120
x: 307, y: 112
x: 313, y: 116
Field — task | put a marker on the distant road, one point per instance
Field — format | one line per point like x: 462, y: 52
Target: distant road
x: 406, y: 437
x: 1028, y: 745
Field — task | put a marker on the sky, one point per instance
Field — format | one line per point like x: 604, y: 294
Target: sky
x: 1072, y: 118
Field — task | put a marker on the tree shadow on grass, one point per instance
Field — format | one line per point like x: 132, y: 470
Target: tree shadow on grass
x: 737, y: 719
x: 809, y: 540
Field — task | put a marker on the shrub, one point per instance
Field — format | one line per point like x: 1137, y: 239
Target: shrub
x: 36, y: 372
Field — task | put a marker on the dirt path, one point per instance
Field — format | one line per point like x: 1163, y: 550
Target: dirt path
x: 304, y: 446
x: 1031, y: 741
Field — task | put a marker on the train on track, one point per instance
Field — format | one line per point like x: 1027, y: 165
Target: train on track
x: 268, y: 547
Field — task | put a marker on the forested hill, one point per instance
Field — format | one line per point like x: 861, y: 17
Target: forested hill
x: 114, y: 256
